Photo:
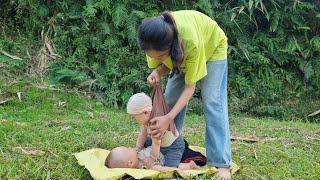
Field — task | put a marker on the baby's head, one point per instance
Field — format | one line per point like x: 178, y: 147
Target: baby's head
x: 139, y: 107
x: 122, y: 157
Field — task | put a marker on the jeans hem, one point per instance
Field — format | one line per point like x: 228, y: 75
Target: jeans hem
x: 219, y: 165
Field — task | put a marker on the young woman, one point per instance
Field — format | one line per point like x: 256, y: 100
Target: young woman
x: 191, y: 48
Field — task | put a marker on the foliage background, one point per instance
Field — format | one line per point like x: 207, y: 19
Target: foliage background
x: 274, y: 59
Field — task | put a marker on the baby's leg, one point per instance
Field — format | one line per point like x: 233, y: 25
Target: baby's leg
x: 188, y: 166
x: 173, y: 153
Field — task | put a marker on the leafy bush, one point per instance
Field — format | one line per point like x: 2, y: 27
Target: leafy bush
x: 274, y: 46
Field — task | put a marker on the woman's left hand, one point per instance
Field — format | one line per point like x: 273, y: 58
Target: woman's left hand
x: 159, y: 125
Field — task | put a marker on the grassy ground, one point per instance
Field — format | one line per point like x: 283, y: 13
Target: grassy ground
x: 60, y: 123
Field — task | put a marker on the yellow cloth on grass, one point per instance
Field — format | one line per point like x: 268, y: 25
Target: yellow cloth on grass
x: 93, y: 160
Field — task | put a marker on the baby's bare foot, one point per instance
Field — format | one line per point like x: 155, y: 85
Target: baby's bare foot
x: 193, y: 165
x: 224, y: 173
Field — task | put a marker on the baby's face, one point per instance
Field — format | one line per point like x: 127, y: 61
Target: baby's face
x: 132, y: 156
x: 123, y: 157
x: 142, y: 118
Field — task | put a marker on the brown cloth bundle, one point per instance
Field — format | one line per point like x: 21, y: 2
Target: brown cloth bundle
x: 160, y: 106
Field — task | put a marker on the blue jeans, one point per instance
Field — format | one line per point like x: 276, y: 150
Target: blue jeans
x: 173, y: 153
x: 215, y: 102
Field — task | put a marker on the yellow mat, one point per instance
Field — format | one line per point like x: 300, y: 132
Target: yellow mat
x: 93, y: 160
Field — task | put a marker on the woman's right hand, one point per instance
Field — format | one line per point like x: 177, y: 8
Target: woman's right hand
x: 159, y: 125
x: 154, y: 78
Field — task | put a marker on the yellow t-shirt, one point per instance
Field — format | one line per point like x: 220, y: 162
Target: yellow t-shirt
x: 203, y: 40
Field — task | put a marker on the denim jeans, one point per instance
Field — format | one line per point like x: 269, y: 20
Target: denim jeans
x: 215, y: 102
x: 173, y: 153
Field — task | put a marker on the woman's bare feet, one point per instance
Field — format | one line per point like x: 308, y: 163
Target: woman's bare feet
x: 224, y: 173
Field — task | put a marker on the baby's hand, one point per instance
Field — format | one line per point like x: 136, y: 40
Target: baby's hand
x: 148, y: 161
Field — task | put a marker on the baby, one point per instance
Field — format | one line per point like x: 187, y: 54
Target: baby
x: 123, y: 157
x: 171, y: 145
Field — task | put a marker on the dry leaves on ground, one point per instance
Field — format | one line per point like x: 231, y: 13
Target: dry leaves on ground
x: 250, y: 138
x: 30, y: 151
x: 64, y: 128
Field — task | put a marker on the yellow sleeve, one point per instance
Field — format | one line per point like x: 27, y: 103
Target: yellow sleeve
x: 195, y: 65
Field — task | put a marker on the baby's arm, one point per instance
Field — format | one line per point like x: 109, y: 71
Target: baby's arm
x: 142, y: 137
x: 155, y: 148
x: 155, y: 152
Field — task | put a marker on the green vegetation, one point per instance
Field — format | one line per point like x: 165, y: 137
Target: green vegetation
x: 59, y: 123
x: 81, y: 63
x: 274, y: 65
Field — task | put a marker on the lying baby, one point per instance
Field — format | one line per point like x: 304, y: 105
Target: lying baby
x: 123, y: 157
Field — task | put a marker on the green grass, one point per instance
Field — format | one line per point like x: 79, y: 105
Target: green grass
x: 287, y: 150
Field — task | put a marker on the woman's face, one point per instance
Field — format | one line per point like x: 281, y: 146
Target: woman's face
x: 158, y: 55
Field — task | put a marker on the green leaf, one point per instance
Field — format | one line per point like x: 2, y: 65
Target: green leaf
x: 241, y: 9
x: 11, y: 62
x: 43, y: 11
x: 275, y: 22
x: 316, y: 43
x: 75, y: 28
x: 250, y: 4
x: 233, y: 16
x: 139, y: 14
x: 120, y: 13
x: 104, y: 27
x: 204, y: 6
x: 89, y: 11
x: 104, y: 5
x: 307, y: 70
x: 304, y: 27
x: 257, y: 2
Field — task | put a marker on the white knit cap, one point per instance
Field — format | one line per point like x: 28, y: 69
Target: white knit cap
x: 139, y: 103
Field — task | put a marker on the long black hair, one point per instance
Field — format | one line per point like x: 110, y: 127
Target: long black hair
x: 160, y: 33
